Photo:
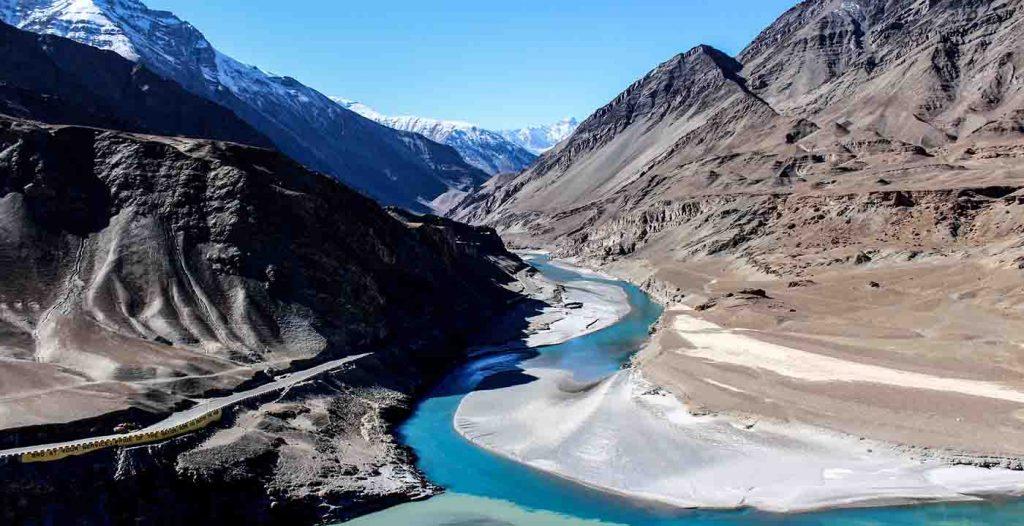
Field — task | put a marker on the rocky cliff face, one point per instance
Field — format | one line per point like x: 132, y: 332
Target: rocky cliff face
x: 854, y: 145
x: 836, y: 97
x: 232, y: 255
x: 690, y: 105
x: 397, y: 168
x: 142, y: 272
x: 927, y: 73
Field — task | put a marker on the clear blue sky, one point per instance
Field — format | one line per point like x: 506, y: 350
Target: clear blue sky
x: 497, y: 63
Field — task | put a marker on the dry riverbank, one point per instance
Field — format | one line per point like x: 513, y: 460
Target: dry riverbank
x: 926, y: 356
x: 622, y: 434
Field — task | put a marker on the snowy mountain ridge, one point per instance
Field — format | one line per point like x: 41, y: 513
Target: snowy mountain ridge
x: 76, y: 18
x: 394, y: 167
x: 539, y: 139
x: 485, y: 149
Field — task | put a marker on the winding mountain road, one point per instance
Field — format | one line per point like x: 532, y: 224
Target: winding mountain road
x: 194, y: 418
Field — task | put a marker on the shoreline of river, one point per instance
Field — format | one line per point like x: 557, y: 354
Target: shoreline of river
x: 932, y: 482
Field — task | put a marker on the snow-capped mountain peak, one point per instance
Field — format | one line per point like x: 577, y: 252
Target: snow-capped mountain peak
x: 127, y: 27
x: 359, y: 108
x: 79, y: 20
x: 407, y: 122
x: 404, y: 169
x: 539, y: 139
x: 485, y: 149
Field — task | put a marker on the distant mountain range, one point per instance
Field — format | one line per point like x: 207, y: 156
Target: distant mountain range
x: 395, y: 167
x: 487, y: 150
x: 539, y: 139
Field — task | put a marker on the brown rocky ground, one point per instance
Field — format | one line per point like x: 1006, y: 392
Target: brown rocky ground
x: 142, y: 274
x: 861, y: 162
x: 942, y: 320
x: 879, y: 279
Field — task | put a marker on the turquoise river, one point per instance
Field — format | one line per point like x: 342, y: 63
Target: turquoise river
x: 487, y: 490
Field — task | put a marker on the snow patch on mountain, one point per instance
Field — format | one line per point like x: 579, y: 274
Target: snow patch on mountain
x: 74, y: 19
x: 360, y: 108
x: 394, y: 167
x: 485, y: 149
x: 539, y: 139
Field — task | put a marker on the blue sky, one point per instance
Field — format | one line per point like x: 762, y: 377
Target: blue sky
x: 499, y: 64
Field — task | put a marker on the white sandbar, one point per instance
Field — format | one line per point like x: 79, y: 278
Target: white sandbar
x: 622, y: 435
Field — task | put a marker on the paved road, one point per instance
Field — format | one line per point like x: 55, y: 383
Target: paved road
x: 182, y: 421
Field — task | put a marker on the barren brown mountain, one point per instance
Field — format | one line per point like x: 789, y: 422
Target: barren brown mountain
x: 144, y: 274
x: 844, y: 198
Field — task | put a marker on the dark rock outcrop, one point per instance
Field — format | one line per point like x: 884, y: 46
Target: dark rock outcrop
x: 141, y: 272
x: 59, y: 81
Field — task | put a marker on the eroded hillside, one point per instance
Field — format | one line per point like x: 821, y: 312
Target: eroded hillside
x: 144, y: 273
x: 859, y: 167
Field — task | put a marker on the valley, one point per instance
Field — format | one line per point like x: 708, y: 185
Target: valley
x: 834, y: 195
x: 778, y: 285
x: 565, y: 435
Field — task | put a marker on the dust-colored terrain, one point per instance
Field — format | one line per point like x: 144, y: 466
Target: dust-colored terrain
x: 857, y: 171
x: 144, y: 274
x: 145, y: 278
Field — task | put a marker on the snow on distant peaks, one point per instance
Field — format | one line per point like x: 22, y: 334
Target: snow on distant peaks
x: 539, y: 139
x: 436, y: 129
x: 485, y: 149
x: 81, y: 20
x: 301, y: 121
x: 359, y: 108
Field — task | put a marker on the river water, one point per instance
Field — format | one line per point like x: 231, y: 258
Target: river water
x: 488, y: 490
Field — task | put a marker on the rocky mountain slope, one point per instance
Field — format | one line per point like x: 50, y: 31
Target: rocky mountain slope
x: 60, y: 81
x: 539, y: 139
x: 843, y: 167
x: 394, y: 167
x: 144, y: 272
x: 481, y: 148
